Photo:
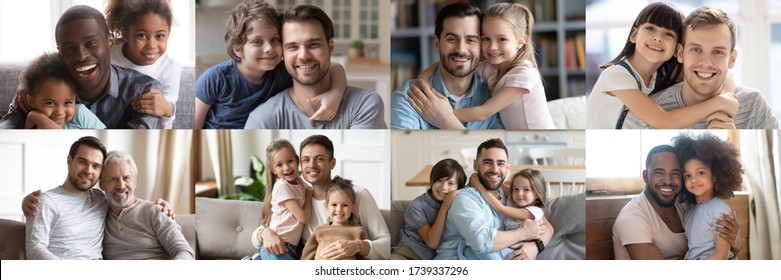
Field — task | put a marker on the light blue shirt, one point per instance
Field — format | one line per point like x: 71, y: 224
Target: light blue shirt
x: 84, y: 119
x: 470, y: 228
x: 698, y: 224
x: 403, y: 116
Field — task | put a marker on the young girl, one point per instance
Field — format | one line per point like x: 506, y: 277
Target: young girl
x: 342, y: 223
x: 527, y: 198
x: 511, y: 71
x: 424, y: 220
x: 228, y: 92
x: 712, y: 173
x: 288, y: 200
x: 647, y: 65
x: 142, y: 28
x: 51, y: 93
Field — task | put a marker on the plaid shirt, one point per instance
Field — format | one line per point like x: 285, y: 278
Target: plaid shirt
x: 113, y: 108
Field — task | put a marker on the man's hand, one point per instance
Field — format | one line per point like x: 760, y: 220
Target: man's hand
x: 272, y: 242
x: 30, y: 204
x: 523, y: 251
x: 730, y: 231
x: 20, y: 101
x: 166, y: 209
x: 153, y: 103
x: 720, y: 120
x: 432, y: 106
x: 341, y: 249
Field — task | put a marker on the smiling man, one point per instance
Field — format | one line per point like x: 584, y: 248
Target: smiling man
x: 84, y: 43
x: 474, y: 231
x: 307, y: 44
x: 457, y: 40
x: 707, y: 53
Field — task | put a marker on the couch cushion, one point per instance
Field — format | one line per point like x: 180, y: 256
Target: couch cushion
x: 225, y: 227
x: 567, y: 215
x: 12, y: 244
x: 187, y: 222
x: 396, y: 221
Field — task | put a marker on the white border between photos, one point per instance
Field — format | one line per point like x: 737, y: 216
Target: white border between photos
x: 204, y: 269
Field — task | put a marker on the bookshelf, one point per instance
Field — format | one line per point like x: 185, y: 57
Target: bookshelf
x: 559, y: 35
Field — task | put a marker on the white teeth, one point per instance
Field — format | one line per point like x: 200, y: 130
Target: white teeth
x: 86, y: 68
x: 705, y: 75
x: 306, y: 67
x: 654, y: 48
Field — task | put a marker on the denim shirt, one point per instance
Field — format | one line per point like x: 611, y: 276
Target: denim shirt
x: 470, y: 228
x: 403, y: 116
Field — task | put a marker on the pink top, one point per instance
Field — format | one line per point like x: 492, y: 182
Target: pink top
x: 282, y: 220
x: 530, y: 111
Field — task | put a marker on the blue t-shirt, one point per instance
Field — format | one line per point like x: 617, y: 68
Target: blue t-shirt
x: 421, y: 212
x: 84, y: 119
x: 232, y: 97
x: 698, y: 224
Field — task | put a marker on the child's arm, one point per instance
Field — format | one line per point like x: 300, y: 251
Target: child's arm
x: 432, y: 234
x: 491, y: 106
x: 503, y: 210
x: 38, y: 120
x: 329, y: 102
x: 153, y: 103
x: 201, y: 109
x: 722, y: 249
x: 301, y: 213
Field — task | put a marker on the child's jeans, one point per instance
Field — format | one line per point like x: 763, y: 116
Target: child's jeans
x: 289, y: 255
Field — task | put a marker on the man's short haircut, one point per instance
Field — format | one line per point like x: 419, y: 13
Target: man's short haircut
x: 318, y: 140
x: 308, y: 12
x: 491, y: 143
x: 656, y: 150
x: 709, y: 17
x: 459, y: 10
x: 120, y: 156
x: 238, y: 25
x: 81, y: 12
x: 47, y: 67
x: 90, y: 141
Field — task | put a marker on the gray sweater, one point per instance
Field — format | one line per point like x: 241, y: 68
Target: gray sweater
x: 69, y: 226
x: 142, y: 231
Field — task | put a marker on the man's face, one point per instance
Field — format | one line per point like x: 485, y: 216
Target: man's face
x: 491, y: 167
x: 663, y: 178
x: 119, y: 183
x: 707, y: 56
x: 84, y: 168
x: 307, y: 53
x: 459, y: 45
x: 316, y: 164
x: 84, y: 49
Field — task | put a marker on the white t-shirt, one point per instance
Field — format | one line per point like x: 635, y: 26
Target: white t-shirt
x: 639, y: 223
x: 603, y: 109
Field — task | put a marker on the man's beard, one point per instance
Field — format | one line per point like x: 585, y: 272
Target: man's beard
x: 74, y: 180
x: 485, y: 183
x: 659, y: 200
x: 456, y: 71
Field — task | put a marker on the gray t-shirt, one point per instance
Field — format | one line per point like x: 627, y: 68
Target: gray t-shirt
x: 143, y: 232
x: 421, y: 212
x: 359, y: 109
x: 69, y: 225
x: 753, y: 111
x: 698, y: 224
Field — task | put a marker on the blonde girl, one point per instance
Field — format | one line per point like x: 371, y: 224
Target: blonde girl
x: 645, y: 66
x: 510, y: 69
x: 288, y: 200
x: 342, y: 223
x: 142, y: 28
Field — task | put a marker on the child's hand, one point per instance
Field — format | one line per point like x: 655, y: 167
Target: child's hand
x: 36, y: 119
x: 448, y: 200
x: 20, y: 101
x: 474, y: 181
x: 327, y: 108
x: 729, y: 83
x: 153, y: 103
x: 720, y: 120
x: 730, y: 101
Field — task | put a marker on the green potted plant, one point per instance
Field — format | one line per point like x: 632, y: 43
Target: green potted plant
x: 250, y: 187
x: 356, y: 49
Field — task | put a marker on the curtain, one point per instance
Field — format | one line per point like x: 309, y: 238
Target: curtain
x: 760, y: 152
x: 218, y: 142
x: 173, y: 169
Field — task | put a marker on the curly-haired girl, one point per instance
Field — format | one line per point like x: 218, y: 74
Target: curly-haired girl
x: 712, y: 173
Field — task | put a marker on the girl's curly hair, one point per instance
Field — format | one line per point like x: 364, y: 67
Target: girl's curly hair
x: 720, y: 156
x: 121, y: 14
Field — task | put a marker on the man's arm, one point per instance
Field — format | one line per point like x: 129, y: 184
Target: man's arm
x: 169, y: 234
x: 374, y: 223
x: 38, y: 230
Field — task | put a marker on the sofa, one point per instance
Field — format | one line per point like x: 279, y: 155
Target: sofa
x: 185, y: 105
x: 565, y: 213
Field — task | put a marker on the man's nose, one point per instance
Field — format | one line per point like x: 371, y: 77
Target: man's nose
x: 83, y: 53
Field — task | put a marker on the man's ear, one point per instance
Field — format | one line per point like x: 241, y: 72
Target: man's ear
x: 110, y: 40
x: 474, y: 167
x: 679, y: 53
x: 332, y: 163
x: 645, y: 176
x: 436, y: 44
x: 331, y: 46
x: 732, y: 58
